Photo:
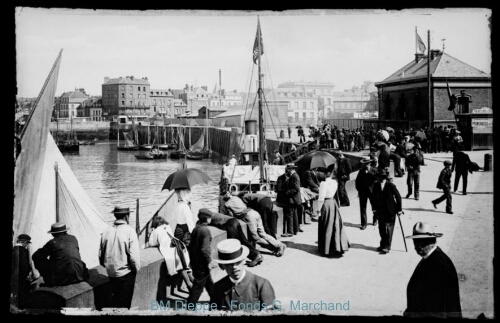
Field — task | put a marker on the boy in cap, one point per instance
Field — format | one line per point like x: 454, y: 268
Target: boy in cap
x: 119, y: 254
x: 240, y: 289
x: 433, y: 289
x: 200, y: 254
x: 444, y: 183
x: 59, y: 261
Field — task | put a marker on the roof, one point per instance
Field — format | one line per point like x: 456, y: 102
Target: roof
x: 443, y: 65
x: 127, y: 80
x: 74, y: 95
x: 161, y: 92
x: 233, y: 110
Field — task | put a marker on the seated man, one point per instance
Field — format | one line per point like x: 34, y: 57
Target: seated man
x: 239, y: 210
x: 59, y: 261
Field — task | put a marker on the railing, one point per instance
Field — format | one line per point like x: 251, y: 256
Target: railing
x: 300, y: 151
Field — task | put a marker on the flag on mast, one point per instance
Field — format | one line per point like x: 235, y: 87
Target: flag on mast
x: 453, y: 98
x: 420, y: 44
x: 256, y: 44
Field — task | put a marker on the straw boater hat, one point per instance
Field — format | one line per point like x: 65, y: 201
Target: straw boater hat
x: 290, y: 166
x: 58, y: 227
x: 230, y: 251
x: 423, y: 230
x: 366, y: 160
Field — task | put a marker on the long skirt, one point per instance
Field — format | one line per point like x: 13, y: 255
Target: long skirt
x: 332, y: 238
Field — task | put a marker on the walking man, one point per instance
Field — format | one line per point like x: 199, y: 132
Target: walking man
x: 58, y: 261
x: 288, y: 194
x: 413, y: 178
x: 460, y: 165
x: 433, y: 289
x: 200, y: 254
x: 364, y: 185
x: 289, y: 131
x: 444, y: 183
x: 119, y: 254
x: 387, y: 203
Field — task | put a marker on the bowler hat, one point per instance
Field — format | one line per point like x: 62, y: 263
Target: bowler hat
x: 24, y: 237
x: 58, y: 227
x: 230, y: 251
x: 290, y: 166
x: 423, y: 230
x: 121, y: 210
x: 447, y: 163
x: 381, y: 172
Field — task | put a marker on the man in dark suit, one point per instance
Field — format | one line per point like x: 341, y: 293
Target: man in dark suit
x: 460, y: 165
x: 288, y: 195
x: 240, y: 290
x: 343, y: 175
x: 433, y: 289
x: 444, y: 183
x: 387, y: 203
x: 413, y: 166
x: 364, y: 185
x: 59, y: 261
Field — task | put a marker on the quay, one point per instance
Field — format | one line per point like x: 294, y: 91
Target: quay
x: 363, y: 281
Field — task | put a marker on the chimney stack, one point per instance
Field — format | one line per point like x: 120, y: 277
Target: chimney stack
x: 435, y: 53
x: 418, y: 57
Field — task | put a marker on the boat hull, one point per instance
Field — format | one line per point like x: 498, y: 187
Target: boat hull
x: 127, y: 147
x: 177, y: 154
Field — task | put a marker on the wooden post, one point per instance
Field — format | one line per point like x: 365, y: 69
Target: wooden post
x: 57, y: 192
x: 137, y: 224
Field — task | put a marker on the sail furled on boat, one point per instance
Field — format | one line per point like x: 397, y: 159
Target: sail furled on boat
x: 36, y: 199
x: 199, y: 145
x: 27, y: 174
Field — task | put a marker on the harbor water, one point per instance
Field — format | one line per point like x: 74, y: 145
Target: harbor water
x: 111, y: 177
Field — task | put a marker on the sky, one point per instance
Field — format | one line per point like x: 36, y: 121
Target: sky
x: 174, y: 48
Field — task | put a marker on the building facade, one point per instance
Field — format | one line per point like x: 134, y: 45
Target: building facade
x: 302, y: 105
x: 68, y: 103
x: 162, y: 103
x: 91, y: 109
x: 125, y: 96
x: 324, y: 91
x: 405, y: 95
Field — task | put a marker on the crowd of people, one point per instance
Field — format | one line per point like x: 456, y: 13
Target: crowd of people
x: 319, y: 193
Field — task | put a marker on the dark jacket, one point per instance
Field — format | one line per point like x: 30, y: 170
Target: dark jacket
x: 444, y: 179
x: 344, y: 170
x: 311, y: 181
x: 460, y: 162
x: 401, y: 150
x: 412, y: 163
x: 288, y: 191
x: 59, y: 262
x: 365, y: 179
x: 254, y: 292
x: 386, y: 203
x: 433, y: 289
x: 383, y: 159
x: 199, y: 248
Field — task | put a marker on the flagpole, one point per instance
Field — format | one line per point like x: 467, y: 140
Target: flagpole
x: 416, y: 41
x: 429, y: 76
x: 261, y: 117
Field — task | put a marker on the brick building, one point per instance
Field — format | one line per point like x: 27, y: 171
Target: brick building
x: 125, y: 96
x: 404, y: 96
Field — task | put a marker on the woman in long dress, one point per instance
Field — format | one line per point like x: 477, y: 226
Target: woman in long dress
x: 332, y: 239
x: 161, y: 237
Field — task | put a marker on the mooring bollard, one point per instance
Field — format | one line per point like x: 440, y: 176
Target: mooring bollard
x: 488, y: 162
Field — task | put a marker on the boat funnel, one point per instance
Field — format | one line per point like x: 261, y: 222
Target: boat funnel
x: 250, y: 127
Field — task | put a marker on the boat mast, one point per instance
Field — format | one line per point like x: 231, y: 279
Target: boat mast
x: 262, y: 142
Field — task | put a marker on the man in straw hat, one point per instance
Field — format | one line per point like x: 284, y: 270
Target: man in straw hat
x: 119, y: 254
x: 240, y: 290
x: 386, y: 204
x: 433, y: 289
x: 58, y: 261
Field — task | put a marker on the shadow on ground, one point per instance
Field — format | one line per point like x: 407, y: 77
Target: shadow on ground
x: 313, y: 250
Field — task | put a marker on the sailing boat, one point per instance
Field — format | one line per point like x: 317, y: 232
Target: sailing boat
x: 147, y: 146
x: 195, y: 152
x: 164, y: 146
x: 130, y: 143
x: 70, y: 144
x: 180, y: 152
x: 45, y: 188
x: 254, y: 173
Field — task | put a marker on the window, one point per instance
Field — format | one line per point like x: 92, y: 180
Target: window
x: 312, y: 105
x: 123, y: 95
x: 296, y: 116
x: 130, y: 88
x: 311, y: 115
x: 138, y: 88
x: 123, y: 103
x: 304, y: 115
x: 304, y: 106
x: 122, y: 87
x: 131, y: 95
x: 144, y: 88
x: 329, y: 101
x: 131, y: 103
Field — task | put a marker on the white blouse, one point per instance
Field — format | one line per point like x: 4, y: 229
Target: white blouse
x: 327, y: 189
x: 183, y: 215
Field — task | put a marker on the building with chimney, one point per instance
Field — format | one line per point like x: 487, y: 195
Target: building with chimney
x: 162, y: 103
x: 66, y: 106
x: 91, y: 109
x: 125, y: 96
x: 406, y: 99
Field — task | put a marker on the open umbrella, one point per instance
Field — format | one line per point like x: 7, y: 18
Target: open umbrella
x: 385, y: 134
x: 317, y: 159
x: 185, y: 178
x: 409, y: 145
x: 389, y: 129
x: 420, y: 134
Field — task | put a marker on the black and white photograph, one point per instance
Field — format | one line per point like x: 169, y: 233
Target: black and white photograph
x: 325, y: 162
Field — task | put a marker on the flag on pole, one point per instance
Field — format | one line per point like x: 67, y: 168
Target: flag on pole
x: 256, y: 45
x: 453, y: 98
x: 420, y: 44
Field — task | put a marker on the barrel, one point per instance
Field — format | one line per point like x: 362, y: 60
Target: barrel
x: 250, y: 127
x: 488, y: 158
